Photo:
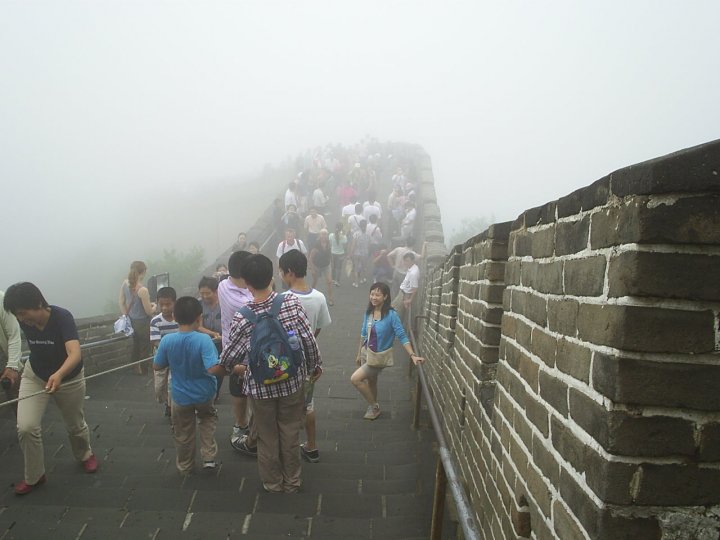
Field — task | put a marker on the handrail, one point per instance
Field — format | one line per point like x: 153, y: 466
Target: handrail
x: 465, y: 516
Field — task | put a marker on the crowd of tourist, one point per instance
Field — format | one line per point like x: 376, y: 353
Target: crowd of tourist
x: 330, y: 228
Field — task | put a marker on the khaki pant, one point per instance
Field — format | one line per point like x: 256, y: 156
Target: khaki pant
x: 278, y: 422
x: 187, y: 419
x: 70, y: 399
x: 161, y: 379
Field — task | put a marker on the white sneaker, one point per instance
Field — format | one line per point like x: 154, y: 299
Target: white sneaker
x: 237, y: 432
x: 209, y: 464
x: 373, y: 411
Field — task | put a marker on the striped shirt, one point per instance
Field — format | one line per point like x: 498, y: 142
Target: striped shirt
x: 160, y: 326
x: 293, y: 317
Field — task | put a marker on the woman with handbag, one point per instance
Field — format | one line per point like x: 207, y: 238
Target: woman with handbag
x: 381, y: 325
x: 135, y: 303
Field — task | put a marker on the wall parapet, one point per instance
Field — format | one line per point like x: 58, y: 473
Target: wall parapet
x: 574, y: 354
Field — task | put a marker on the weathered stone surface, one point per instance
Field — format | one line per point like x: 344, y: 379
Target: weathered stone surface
x: 572, y: 236
x: 647, y: 329
x: 691, y: 170
x: 689, y: 220
x: 665, y: 275
x: 643, y: 382
x: 573, y: 359
x: 584, y: 277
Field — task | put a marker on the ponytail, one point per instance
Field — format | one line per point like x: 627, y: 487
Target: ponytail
x: 137, y: 268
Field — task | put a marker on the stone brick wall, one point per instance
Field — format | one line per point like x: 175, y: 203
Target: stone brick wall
x: 574, y: 354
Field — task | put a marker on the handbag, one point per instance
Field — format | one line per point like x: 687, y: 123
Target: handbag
x: 124, y: 325
x: 380, y: 359
x: 377, y: 359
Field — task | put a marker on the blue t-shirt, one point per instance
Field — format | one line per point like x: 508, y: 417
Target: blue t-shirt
x: 189, y: 355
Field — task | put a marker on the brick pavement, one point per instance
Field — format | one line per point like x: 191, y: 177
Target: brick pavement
x: 374, y: 479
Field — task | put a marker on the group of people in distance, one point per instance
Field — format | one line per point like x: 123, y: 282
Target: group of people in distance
x: 236, y: 327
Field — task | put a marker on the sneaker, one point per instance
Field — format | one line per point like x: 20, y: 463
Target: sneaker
x: 311, y: 456
x: 90, y: 464
x: 355, y: 285
x: 241, y: 446
x: 363, y: 280
x: 269, y: 490
x: 23, y: 488
x: 373, y: 411
x: 210, y: 464
x: 237, y: 432
x: 337, y: 284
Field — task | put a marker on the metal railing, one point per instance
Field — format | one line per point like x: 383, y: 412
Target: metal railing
x: 446, y: 471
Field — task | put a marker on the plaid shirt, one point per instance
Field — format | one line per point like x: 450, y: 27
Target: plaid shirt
x: 293, y: 317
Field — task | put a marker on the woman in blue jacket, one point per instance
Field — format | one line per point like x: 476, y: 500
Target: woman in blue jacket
x: 381, y: 325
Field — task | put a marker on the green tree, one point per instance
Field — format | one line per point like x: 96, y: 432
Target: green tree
x: 184, y: 268
x: 468, y: 228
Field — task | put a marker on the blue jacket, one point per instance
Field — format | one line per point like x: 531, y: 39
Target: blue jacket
x: 387, y: 329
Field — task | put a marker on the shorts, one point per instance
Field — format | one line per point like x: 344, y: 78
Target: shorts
x: 236, y: 385
x: 371, y: 371
x: 309, y: 389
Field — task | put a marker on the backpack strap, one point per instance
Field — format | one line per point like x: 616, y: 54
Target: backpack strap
x: 276, y: 305
x: 249, y: 314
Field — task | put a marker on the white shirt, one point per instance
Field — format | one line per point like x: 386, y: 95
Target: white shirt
x: 372, y: 209
x: 315, y: 306
x: 354, y: 222
x: 284, y: 247
x: 348, y: 210
x: 290, y: 198
x: 319, y: 198
x: 412, y: 279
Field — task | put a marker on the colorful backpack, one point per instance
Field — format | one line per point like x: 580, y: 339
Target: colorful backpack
x: 271, y: 358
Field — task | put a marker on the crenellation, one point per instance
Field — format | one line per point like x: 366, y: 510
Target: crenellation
x: 585, y: 341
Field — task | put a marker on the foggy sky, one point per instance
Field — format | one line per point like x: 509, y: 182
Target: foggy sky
x: 106, y: 106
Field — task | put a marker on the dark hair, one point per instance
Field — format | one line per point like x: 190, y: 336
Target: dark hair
x: 294, y: 261
x: 387, y: 304
x: 373, y: 218
x: 257, y: 271
x: 254, y: 243
x: 23, y: 295
x: 167, y: 292
x: 339, y: 226
x: 409, y: 255
x: 358, y: 208
x: 187, y: 310
x: 209, y: 282
x: 235, y: 263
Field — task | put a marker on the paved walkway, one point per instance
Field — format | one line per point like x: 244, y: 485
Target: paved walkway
x: 374, y: 480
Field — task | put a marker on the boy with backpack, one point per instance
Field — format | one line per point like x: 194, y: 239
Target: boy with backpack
x: 272, y: 345
x: 193, y: 362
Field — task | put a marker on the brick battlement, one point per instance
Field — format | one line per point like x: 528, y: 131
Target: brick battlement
x: 574, y: 354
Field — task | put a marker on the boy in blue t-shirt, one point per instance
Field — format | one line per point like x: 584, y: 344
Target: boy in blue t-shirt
x: 193, y: 362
